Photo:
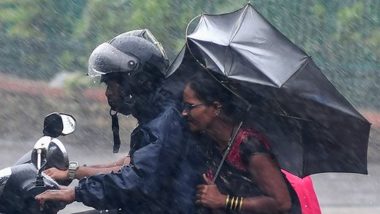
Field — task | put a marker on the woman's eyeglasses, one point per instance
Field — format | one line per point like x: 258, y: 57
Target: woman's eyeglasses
x: 187, y: 107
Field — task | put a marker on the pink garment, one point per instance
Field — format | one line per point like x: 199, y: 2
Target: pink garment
x: 302, y: 186
x: 305, y: 192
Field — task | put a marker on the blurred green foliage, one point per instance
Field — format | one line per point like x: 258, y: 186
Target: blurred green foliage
x: 40, y: 38
x: 77, y: 82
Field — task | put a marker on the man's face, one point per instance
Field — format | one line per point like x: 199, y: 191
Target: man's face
x: 117, y: 98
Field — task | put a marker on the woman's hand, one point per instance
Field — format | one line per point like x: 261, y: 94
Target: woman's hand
x: 57, y: 174
x: 65, y: 195
x: 208, y: 195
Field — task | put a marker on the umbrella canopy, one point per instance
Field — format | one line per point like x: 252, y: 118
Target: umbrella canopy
x: 312, y: 127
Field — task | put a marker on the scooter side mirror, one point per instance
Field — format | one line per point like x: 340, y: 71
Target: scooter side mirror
x: 57, y: 124
x: 69, y: 124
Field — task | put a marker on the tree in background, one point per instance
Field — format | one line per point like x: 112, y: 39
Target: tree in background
x: 42, y: 37
x: 37, y: 34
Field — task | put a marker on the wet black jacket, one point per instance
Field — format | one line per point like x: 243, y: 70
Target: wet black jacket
x: 162, y: 176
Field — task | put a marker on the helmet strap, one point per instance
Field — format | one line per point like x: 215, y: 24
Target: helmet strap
x: 115, y: 131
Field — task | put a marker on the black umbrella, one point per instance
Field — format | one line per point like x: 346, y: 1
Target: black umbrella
x: 312, y: 127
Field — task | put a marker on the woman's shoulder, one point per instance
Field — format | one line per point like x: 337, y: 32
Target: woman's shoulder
x: 252, y: 142
x: 253, y: 137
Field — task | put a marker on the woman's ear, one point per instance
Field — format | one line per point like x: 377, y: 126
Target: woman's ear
x: 218, y: 107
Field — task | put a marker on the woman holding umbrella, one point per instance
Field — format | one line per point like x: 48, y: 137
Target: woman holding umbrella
x: 250, y: 180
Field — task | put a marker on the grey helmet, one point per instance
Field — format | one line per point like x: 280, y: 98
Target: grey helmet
x: 138, y: 61
x: 130, y: 53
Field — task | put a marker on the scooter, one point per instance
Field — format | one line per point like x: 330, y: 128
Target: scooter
x: 20, y: 183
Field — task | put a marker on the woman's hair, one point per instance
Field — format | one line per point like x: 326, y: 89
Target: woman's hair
x: 209, y: 89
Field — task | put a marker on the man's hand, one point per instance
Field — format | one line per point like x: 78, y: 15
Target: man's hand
x: 57, y: 174
x: 65, y: 195
x: 208, y: 195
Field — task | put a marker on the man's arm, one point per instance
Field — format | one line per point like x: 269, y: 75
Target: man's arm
x: 85, y: 171
x: 121, y: 162
x: 151, y: 169
x: 145, y: 180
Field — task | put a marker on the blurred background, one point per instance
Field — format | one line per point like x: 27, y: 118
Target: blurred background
x: 45, y: 45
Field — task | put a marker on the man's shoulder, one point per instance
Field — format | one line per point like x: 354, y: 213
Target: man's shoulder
x: 169, y: 114
x: 169, y: 119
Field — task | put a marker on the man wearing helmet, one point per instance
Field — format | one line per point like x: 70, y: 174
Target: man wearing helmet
x: 107, y: 61
x: 161, y: 175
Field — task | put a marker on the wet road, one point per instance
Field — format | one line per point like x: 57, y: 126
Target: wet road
x: 345, y: 193
x: 338, y: 193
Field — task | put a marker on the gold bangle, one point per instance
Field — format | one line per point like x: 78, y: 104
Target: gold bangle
x: 233, y: 203
x: 241, y: 203
x: 236, y: 203
x: 227, y: 201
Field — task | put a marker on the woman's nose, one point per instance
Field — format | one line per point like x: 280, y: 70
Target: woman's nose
x: 185, y: 113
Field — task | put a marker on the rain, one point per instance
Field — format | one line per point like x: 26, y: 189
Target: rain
x: 46, y: 45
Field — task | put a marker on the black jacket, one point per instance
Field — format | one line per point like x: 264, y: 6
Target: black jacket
x: 162, y: 176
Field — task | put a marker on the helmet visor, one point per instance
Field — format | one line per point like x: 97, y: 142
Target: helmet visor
x: 107, y: 59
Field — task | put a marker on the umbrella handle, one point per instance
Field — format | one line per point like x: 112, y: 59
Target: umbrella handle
x: 232, y: 139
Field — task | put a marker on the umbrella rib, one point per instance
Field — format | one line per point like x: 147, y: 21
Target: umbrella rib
x: 239, y: 24
x: 308, y: 59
